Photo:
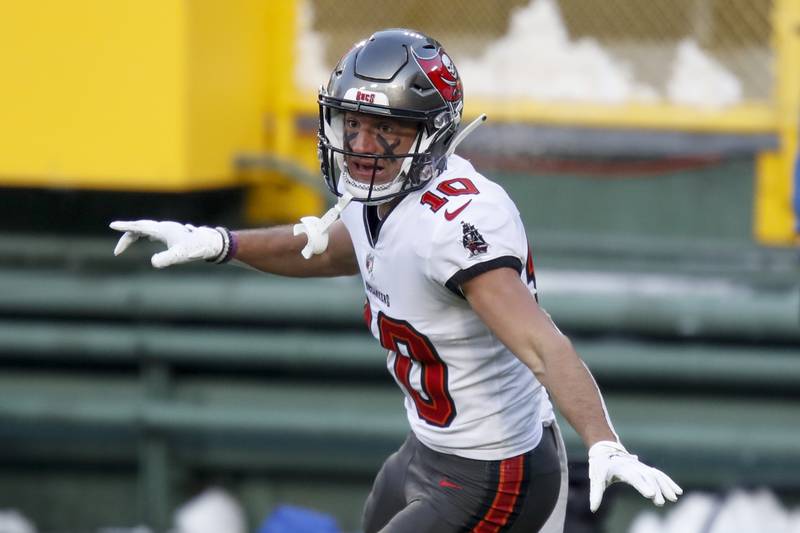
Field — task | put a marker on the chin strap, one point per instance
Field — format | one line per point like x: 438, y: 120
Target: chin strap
x: 316, y: 228
x: 461, y: 135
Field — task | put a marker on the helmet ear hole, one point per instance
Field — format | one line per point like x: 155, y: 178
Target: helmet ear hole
x: 441, y: 120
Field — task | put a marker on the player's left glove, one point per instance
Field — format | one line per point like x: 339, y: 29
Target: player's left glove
x: 610, y: 462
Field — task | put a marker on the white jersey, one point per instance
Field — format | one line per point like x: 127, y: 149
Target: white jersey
x: 466, y: 393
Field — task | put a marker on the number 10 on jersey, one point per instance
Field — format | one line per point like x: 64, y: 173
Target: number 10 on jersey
x: 434, y: 404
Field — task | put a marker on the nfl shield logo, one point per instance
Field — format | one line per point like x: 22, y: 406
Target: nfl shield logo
x: 369, y: 263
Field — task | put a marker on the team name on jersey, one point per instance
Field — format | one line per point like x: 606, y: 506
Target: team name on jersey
x: 383, y: 297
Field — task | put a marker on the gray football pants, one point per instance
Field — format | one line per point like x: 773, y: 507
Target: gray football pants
x: 419, y: 490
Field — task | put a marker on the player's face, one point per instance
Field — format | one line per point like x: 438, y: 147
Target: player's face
x: 372, y: 135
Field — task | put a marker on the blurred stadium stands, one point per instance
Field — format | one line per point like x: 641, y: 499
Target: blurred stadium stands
x: 125, y: 390
x: 175, y: 378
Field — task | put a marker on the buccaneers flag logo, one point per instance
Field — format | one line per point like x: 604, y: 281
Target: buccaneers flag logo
x: 473, y: 241
x: 443, y: 74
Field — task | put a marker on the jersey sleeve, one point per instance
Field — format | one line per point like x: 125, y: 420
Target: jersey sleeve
x: 488, y: 234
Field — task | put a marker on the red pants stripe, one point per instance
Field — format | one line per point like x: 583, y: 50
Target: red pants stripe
x: 512, y: 473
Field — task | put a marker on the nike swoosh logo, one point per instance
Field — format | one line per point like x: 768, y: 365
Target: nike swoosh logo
x: 448, y: 484
x: 450, y: 216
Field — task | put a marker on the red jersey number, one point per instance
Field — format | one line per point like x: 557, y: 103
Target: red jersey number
x: 451, y: 187
x: 434, y: 404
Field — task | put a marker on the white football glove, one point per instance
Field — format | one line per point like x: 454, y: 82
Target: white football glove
x: 610, y: 462
x: 185, y: 243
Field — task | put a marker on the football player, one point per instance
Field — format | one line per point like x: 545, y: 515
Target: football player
x: 451, y: 295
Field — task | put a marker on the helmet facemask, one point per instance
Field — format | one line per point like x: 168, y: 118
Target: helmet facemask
x: 359, y: 173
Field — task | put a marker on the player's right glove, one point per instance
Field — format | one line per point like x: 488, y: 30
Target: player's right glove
x: 610, y: 462
x: 184, y: 242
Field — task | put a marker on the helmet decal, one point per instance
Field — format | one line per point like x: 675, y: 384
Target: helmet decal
x: 358, y: 94
x: 442, y: 73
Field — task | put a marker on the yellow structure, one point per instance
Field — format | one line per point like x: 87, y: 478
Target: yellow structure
x: 145, y: 95
x: 282, y: 137
x: 162, y: 95
x: 89, y: 99
x: 775, y: 217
